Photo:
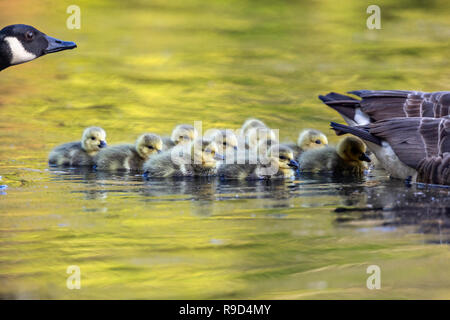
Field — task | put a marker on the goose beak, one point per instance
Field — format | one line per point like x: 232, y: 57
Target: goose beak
x: 364, y: 157
x: 293, y: 164
x: 55, y: 45
x: 102, y: 144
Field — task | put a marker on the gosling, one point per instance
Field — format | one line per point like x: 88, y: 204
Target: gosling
x: 128, y: 157
x: 81, y: 153
x: 279, y: 162
x: 256, y: 135
x: 181, y: 134
x: 348, y: 158
x: 251, y: 123
x: 198, y: 159
x: 308, y: 139
x: 226, y: 141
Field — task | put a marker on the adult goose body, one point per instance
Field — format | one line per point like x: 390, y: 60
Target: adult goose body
x: 21, y: 43
x: 377, y: 105
x: 416, y: 148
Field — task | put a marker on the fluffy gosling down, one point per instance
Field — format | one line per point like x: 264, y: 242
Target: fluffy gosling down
x: 79, y: 153
x: 226, y: 140
x: 348, y: 158
x: 279, y: 162
x: 129, y: 157
x: 251, y: 123
x: 309, y: 139
x: 198, y: 159
x: 181, y: 134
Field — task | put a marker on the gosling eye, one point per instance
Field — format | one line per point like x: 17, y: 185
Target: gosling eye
x: 150, y: 147
x: 224, y: 143
x: 92, y: 138
x: 318, y: 142
x: 355, y: 151
x: 283, y: 158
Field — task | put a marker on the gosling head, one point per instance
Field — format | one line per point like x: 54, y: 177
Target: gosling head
x: 256, y: 135
x: 311, y: 139
x: 21, y: 43
x: 252, y: 123
x: 283, y: 156
x: 265, y: 144
x: 205, y: 153
x: 183, y: 133
x: 352, y: 149
x: 226, y: 141
x: 148, y: 144
x: 94, y: 138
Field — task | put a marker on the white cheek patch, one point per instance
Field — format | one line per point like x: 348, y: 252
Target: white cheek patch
x: 18, y: 52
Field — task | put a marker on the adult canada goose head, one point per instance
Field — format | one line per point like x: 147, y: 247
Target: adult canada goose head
x: 148, y: 144
x: 183, y: 133
x: 94, y: 138
x: 311, y: 139
x: 20, y: 43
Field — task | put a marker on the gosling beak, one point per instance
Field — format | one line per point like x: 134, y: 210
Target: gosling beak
x: 293, y: 164
x: 55, y: 45
x: 219, y: 157
x: 159, y: 151
x: 102, y: 144
x: 364, y: 157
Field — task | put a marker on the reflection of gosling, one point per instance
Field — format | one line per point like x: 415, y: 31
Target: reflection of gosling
x: 181, y: 134
x: 251, y: 123
x: 79, y: 153
x: 309, y: 139
x: 198, y: 159
x: 278, y: 163
x: 128, y: 157
x: 347, y: 158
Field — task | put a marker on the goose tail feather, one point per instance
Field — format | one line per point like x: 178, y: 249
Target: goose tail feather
x: 360, y: 132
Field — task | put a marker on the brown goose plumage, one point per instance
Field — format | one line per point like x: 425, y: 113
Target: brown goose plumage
x: 421, y: 144
x: 380, y: 105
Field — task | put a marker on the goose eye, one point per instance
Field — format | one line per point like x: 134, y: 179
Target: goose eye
x: 318, y: 142
x: 150, y: 147
x: 224, y: 143
x: 29, y: 35
x: 92, y: 138
x: 283, y: 158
